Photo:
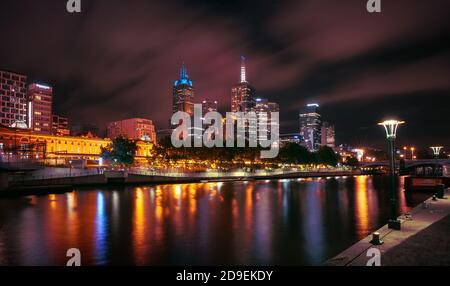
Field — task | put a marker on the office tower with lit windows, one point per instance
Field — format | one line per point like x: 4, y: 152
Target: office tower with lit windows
x: 242, y: 94
x: 13, y: 99
x: 328, y: 135
x: 310, y: 126
x: 40, y: 99
x: 183, y: 93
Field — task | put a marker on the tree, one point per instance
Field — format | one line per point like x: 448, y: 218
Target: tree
x: 120, y: 152
x: 326, y: 155
x: 294, y: 153
x: 352, y: 162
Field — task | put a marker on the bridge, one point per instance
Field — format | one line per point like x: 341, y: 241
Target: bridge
x: 408, y: 163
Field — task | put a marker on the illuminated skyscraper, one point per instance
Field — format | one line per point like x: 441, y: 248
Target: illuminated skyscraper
x: 243, y: 94
x: 13, y: 99
x: 40, y: 98
x: 183, y: 93
x: 310, y: 126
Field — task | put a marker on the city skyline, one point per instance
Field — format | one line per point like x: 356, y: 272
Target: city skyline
x: 345, y: 79
x: 252, y: 138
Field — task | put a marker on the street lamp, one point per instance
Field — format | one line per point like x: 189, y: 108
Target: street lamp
x: 412, y: 153
x: 437, y: 151
x: 391, y: 127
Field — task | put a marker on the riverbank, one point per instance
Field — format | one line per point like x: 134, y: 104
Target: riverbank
x: 64, y: 184
x: 422, y: 241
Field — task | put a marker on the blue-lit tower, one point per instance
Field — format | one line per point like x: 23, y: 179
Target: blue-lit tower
x: 183, y: 93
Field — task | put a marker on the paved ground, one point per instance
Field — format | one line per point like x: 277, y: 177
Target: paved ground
x: 429, y: 247
x: 424, y: 239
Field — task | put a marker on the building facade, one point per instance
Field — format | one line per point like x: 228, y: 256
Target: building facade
x: 60, y: 125
x: 24, y: 144
x: 311, y: 126
x: 40, y: 100
x: 183, y: 93
x: 13, y: 99
x: 134, y: 128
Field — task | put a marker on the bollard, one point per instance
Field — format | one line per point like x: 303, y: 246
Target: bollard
x: 376, y: 239
x: 435, y: 197
x: 440, y: 191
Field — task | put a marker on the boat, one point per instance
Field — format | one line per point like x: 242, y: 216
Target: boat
x: 428, y: 178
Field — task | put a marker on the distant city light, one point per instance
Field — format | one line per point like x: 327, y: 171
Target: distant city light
x: 313, y: 105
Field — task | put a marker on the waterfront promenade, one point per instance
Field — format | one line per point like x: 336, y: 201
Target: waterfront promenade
x: 65, y: 183
x: 423, y: 240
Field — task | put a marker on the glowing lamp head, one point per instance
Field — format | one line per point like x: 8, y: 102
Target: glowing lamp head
x: 391, y: 127
x: 437, y: 150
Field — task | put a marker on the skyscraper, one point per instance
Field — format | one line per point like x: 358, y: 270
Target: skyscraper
x: 40, y: 99
x: 328, y: 135
x: 183, y: 93
x: 13, y: 99
x: 310, y: 126
x: 242, y: 94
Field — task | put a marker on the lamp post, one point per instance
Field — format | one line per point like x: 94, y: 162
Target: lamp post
x: 391, y: 127
x: 437, y: 150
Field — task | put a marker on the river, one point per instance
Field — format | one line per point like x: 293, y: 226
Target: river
x: 279, y: 222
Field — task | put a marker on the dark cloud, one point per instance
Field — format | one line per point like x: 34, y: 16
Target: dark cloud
x: 118, y: 58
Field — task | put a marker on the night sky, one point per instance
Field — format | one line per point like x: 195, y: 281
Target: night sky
x: 118, y: 59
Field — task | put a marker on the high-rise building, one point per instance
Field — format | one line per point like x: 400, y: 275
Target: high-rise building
x: 183, y: 93
x: 13, y: 99
x: 60, y: 126
x: 328, y: 135
x: 134, y: 128
x: 242, y: 94
x: 40, y: 100
x: 263, y: 110
x: 208, y: 106
x: 310, y: 126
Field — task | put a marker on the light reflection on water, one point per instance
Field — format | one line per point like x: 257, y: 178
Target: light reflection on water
x: 286, y: 222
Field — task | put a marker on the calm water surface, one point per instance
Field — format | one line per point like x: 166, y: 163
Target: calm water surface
x: 285, y: 222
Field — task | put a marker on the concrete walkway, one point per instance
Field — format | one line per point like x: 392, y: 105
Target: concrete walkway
x: 423, y: 240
